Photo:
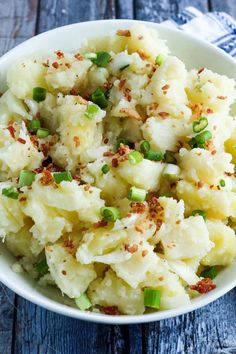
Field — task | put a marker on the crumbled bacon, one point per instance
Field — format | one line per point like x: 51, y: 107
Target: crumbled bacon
x: 81, y: 100
x: 144, y: 253
x: 34, y: 140
x: 131, y: 248
x: 22, y: 141
x: 123, y: 33
x: 128, y: 95
x: 158, y: 223
x: 63, y: 272
x: 114, y: 162
x: 229, y: 174
x: 46, y: 178
x: 55, y: 65
x: 200, y: 71
x: 79, y: 57
x: 59, y: 54
x: 122, y: 83
x: 138, y: 208
x: 123, y: 149
x: 68, y: 243
x: 111, y: 310
x: 204, y: 286
x: 163, y: 115
x: 74, y: 92
x: 107, y: 85
x: 99, y: 224
x: 46, y: 64
x: 76, y: 140
x: 209, y: 110
x: 222, y: 97
x: 130, y: 112
x: 87, y: 187
x: 139, y: 229
x: 77, y: 178
x: 178, y: 222
x: 45, y: 149
x: 165, y: 87
x: 11, y: 131
x: 199, y: 184
x: 142, y: 54
x: 106, y: 140
x: 108, y: 154
x: 22, y: 199
x: 68, y: 65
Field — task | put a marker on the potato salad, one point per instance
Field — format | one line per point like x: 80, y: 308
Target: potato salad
x: 117, y: 173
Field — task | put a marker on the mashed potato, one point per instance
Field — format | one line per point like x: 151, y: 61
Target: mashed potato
x: 117, y: 173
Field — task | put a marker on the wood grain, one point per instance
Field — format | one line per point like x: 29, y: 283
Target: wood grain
x: 228, y: 6
x: 7, y: 316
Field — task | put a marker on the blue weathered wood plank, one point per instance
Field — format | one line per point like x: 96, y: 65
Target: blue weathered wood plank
x: 228, y: 6
x: 7, y: 313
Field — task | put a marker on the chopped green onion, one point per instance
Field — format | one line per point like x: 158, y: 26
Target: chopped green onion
x: 210, y: 272
x: 203, y: 137
x: 62, y: 176
x: 99, y: 98
x: 39, y: 94
x: 91, y: 56
x: 145, y: 146
x: 105, y: 169
x: 200, y: 125
x: 122, y: 141
x: 193, y: 143
x: 34, y: 125
x: 83, y: 302
x: 102, y: 59
x: 153, y: 155
x: 42, y: 133
x: 171, y: 172
x: 222, y: 183
x: 91, y: 111
x: 160, y: 59
x: 10, y: 192
x: 26, y: 178
x: 42, y: 268
x: 169, y: 157
x: 135, y: 157
x: 199, y: 212
x: 137, y: 194
x: 124, y: 67
x: 152, y: 298
x: 110, y: 213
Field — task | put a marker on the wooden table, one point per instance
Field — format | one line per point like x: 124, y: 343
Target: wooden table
x: 29, y: 329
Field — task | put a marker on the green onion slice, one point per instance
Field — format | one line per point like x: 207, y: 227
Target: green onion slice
x: 10, y: 192
x: 26, y: 178
x: 91, y: 111
x: 39, y: 94
x: 145, y: 146
x: 42, y: 268
x: 160, y: 59
x: 110, y: 213
x: 34, y: 125
x: 200, y: 124
x: 193, y: 143
x: 152, y: 298
x: 99, y: 98
x: 105, y: 169
x: 102, y: 59
x: 62, y: 176
x: 210, y: 272
x: 200, y: 212
x: 124, y: 67
x: 135, y: 157
x: 169, y: 157
x: 42, y: 133
x: 91, y: 56
x: 171, y: 172
x: 137, y: 194
x: 203, y: 137
x: 83, y: 302
x: 222, y: 183
x: 153, y: 155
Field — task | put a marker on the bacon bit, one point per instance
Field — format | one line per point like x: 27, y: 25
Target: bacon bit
x: 11, y: 131
x: 59, y: 54
x: 161, y: 278
x: 34, y: 140
x: 163, y: 115
x: 55, y: 65
x: 138, y: 208
x: 74, y: 92
x: 229, y: 174
x: 144, y: 253
x: 46, y: 178
x: 200, y: 71
x: 140, y: 37
x: 68, y: 65
x: 142, y: 54
x: 131, y: 248
x: 79, y: 57
x: 76, y: 140
x: 199, y: 154
x: 178, y: 222
x: 222, y: 97
x: 99, y: 224
x: 128, y: 95
x: 46, y: 64
x: 105, y: 140
x: 152, y: 200
x: 131, y: 113
x: 204, y: 286
x: 63, y: 272
x: 22, y: 199
x: 152, y: 107
x: 123, y: 149
x: 122, y: 83
x: 209, y: 110
x: 77, y: 178
x: 45, y: 149
x: 81, y: 100
x: 114, y: 162
x: 22, y: 141
x: 108, y: 153
x: 158, y: 223
x: 123, y: 33
x: 111, y: 310
x: 199, y: 184
x: 87, y: 187
x: 68, y: 243
x: 139, y: 229
x: 213, y: 152
x: 165, y: 87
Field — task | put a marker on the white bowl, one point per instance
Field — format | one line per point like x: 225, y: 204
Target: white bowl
x: 194, y: 53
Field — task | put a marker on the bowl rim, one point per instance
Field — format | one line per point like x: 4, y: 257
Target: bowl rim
x: 62, y: 309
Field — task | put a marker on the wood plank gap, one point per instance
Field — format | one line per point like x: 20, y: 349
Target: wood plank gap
x: 14, y: 325
x: 37, y: 22
x: 209, y: 3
